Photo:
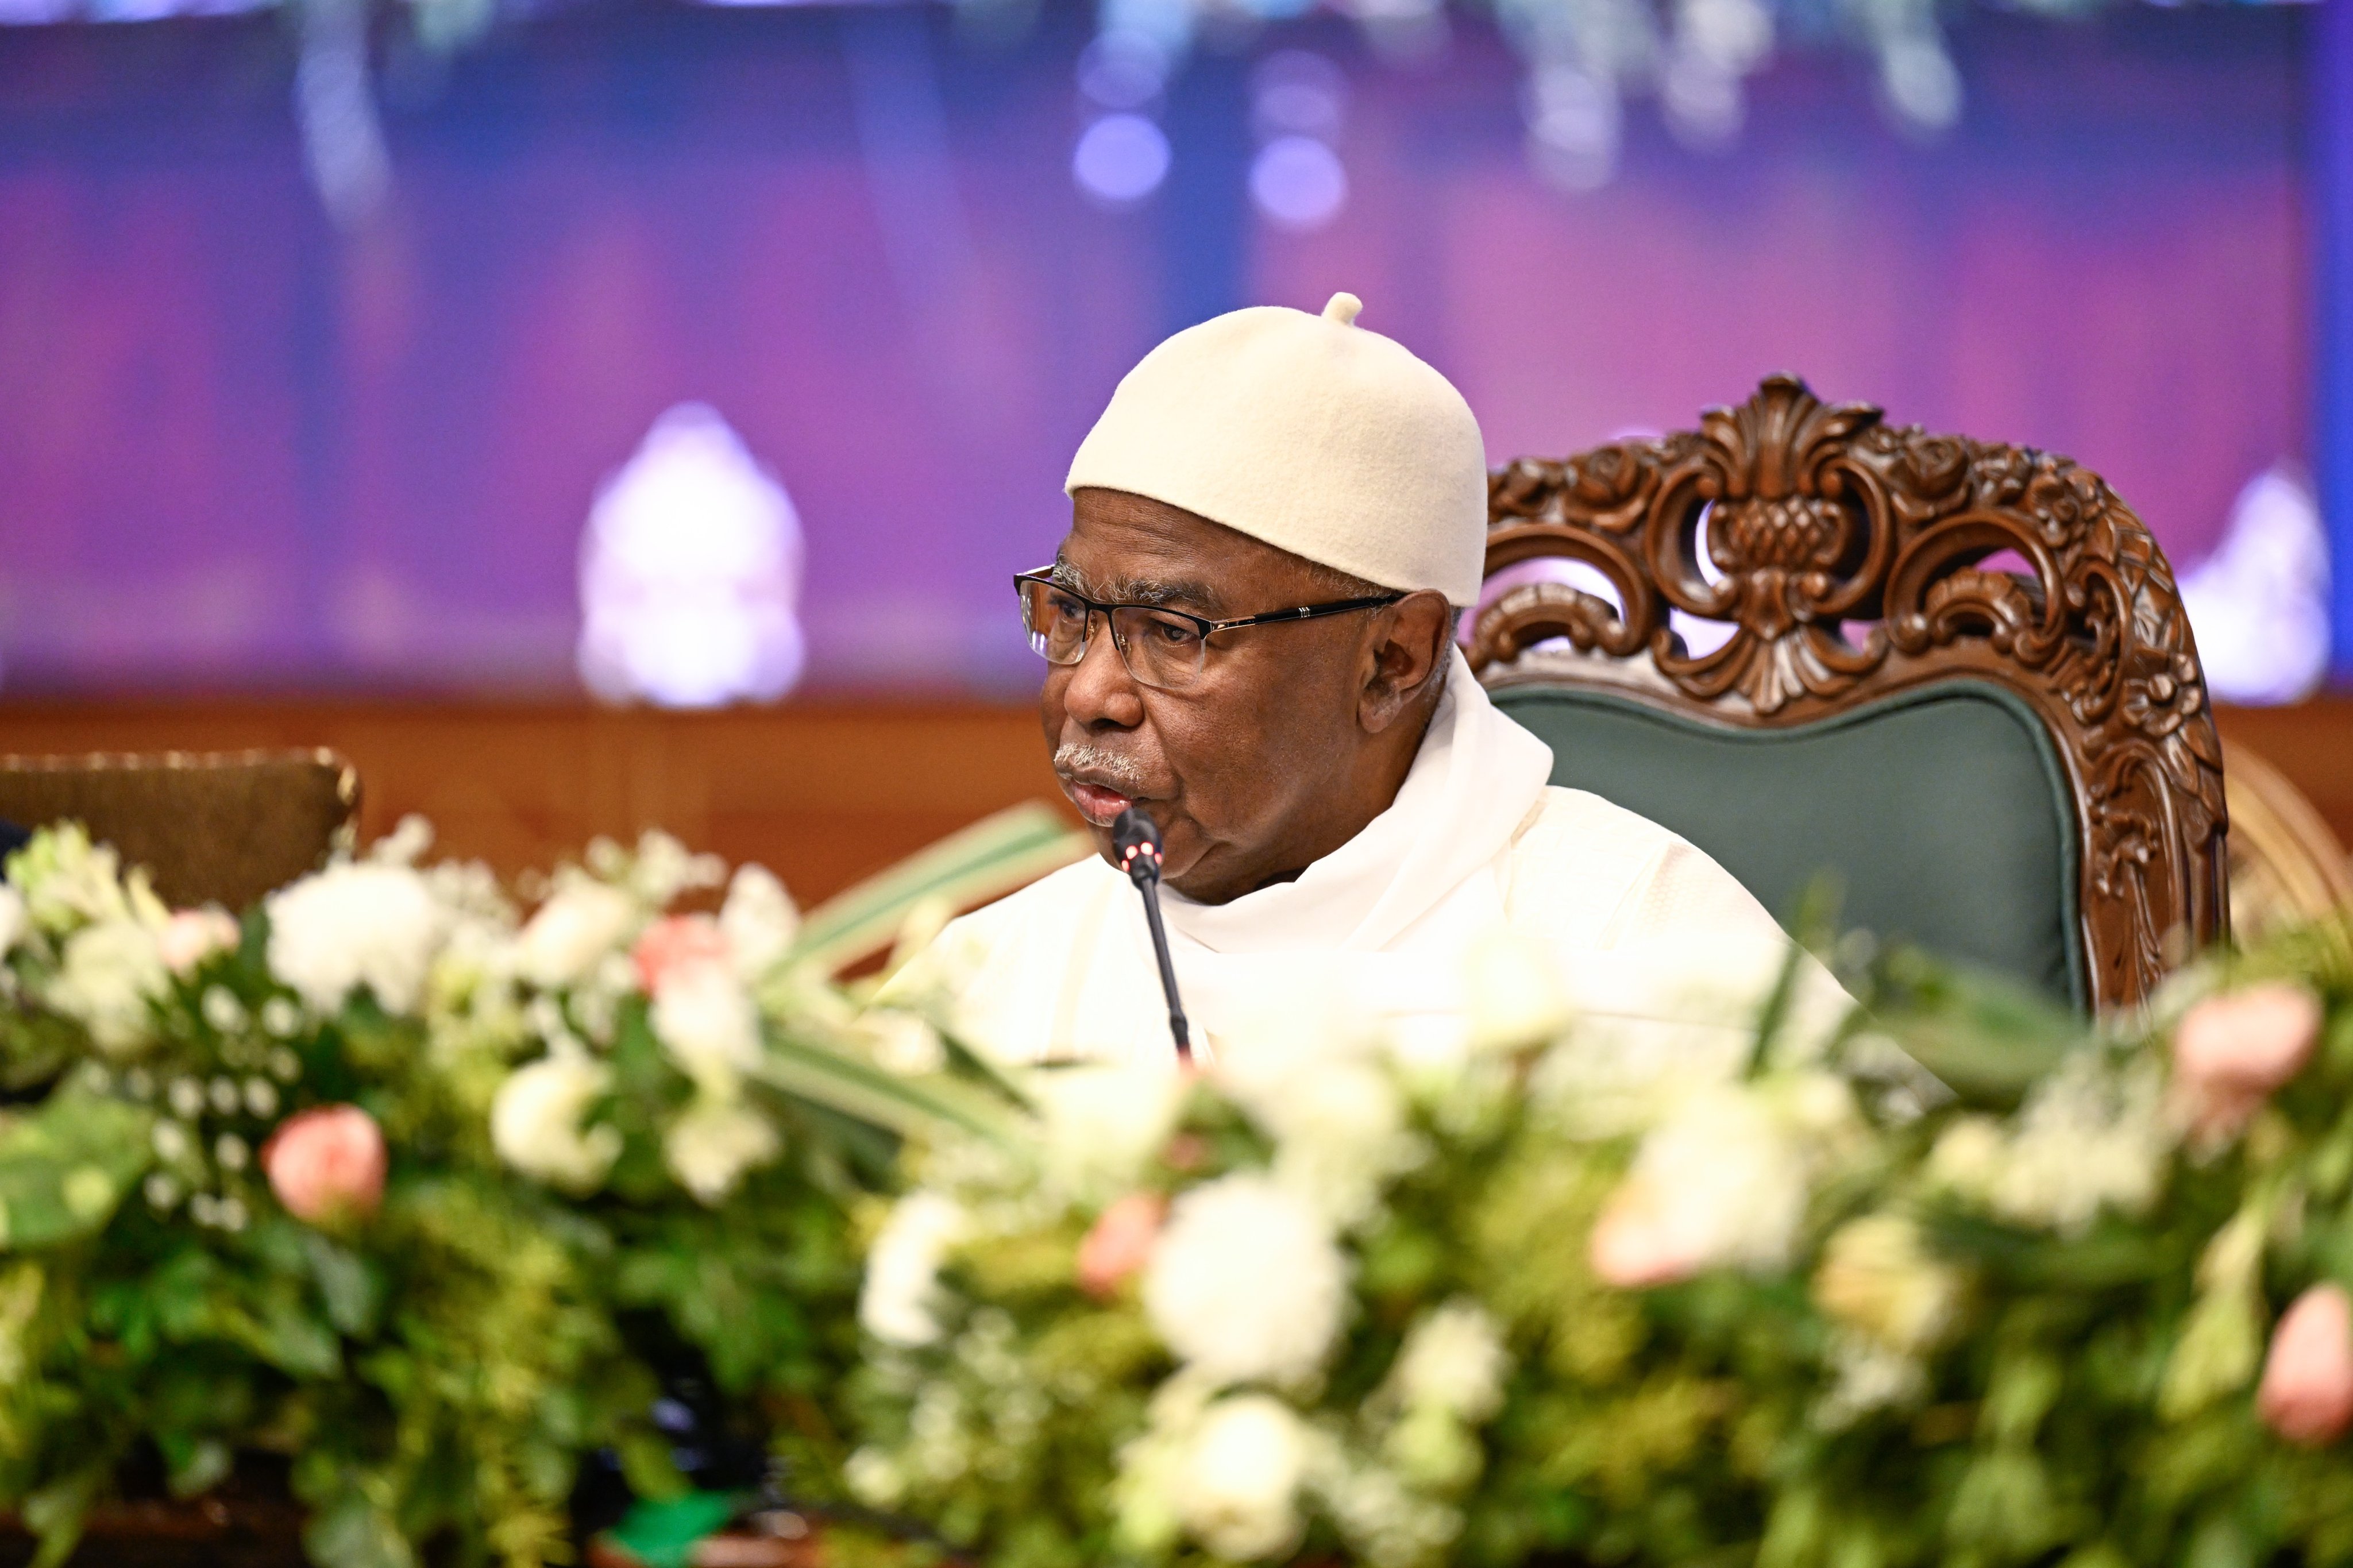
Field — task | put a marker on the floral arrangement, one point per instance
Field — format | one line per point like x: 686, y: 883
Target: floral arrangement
x: 1956, y: 1281
x: 415, y: 1199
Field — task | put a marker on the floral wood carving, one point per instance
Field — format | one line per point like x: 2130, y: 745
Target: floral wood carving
x: 1848, y: 559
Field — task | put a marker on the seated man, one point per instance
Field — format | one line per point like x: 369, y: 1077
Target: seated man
x: 1249, y: 633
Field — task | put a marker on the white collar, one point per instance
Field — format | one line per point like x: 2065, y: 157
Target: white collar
x: 1473, y: 783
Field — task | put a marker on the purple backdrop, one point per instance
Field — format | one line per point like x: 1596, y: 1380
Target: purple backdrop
x: 238, y: 450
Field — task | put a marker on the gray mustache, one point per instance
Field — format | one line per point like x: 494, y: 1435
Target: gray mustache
x: 1077, y: 757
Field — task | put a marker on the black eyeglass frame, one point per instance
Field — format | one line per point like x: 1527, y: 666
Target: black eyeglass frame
x: 1044, y: 578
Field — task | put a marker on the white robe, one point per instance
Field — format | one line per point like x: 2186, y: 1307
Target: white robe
x: 1651, y: 943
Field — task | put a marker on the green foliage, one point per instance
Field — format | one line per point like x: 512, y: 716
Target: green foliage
x: 427, y: 1366
x: 66, y: 1165
x: 1959, y: 1283
x: 2020, y: 1318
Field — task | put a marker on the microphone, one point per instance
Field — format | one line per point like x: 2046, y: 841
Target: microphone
x: 1135, y: 838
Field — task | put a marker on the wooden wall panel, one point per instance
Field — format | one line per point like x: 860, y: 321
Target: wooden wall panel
x: 823, y: 794
x: 2311, y: 742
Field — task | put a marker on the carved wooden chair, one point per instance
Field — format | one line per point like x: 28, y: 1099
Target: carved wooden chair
x: 212, y: 827
x: 2016, y: 768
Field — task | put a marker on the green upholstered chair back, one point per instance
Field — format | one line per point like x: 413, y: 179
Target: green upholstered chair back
x: 1956, y: 788
x: 1953, y: 676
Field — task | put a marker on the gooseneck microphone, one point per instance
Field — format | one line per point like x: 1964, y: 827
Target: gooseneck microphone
x: 1135, y: 838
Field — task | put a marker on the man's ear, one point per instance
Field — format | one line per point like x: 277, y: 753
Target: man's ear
x: 1408, y: 654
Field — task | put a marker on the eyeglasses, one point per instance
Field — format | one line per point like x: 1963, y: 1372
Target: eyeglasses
x: 1161, y: 648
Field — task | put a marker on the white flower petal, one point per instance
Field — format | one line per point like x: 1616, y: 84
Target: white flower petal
x: 1237, y: 1492
x: 705, y: 1019
x: 898, y: 1303
x: 573, y: 932
x: 1245, y: 1282
x: 714, y: 1143
x: 537, y: 1116
x: 111, y: 975
x: 373, y: 924
x: 1454, y: 1359
x: 759, y: 920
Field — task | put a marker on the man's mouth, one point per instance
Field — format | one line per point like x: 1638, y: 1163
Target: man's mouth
x: 1099, y: 803
x: 1100, y: 783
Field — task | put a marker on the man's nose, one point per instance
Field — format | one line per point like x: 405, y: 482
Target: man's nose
x: 1102, y: 693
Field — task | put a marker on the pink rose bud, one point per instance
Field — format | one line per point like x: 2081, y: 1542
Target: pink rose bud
x: 1185, y: 1152
x: 327, y: 1165
x: 670, y: 947
x: 191, y: 936
x: 1635, y: 1243
x: 1120, y: 1242
x: 2230, y: 1052
x: 2307, y: 1390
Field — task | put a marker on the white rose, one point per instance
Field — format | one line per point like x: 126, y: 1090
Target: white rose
x: 371, y: 924
x: 898, y: 1303
x: 111, y: 974
x: 12, y: 919
x: 1454, y: 1361
x: 759, y: 920
x: 704, y: 1018
x: 713, y: 1143
x: 536, y: 1119
x: 1239, y: 1490
x: 571, y: 934
x: 1245, y: 1282
x: 1102, y: 1124
x: 1722, y: 1182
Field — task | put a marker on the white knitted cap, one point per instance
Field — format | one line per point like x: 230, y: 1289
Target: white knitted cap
x: 1309, y: 433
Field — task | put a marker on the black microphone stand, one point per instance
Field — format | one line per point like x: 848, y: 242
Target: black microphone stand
x: 1136, y: 838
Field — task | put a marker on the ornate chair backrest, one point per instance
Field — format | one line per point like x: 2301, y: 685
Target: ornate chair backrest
x: 2016, y: 767
x: 212, y: 827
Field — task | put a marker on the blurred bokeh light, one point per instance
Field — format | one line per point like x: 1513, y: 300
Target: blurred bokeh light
x: 690, y: 573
